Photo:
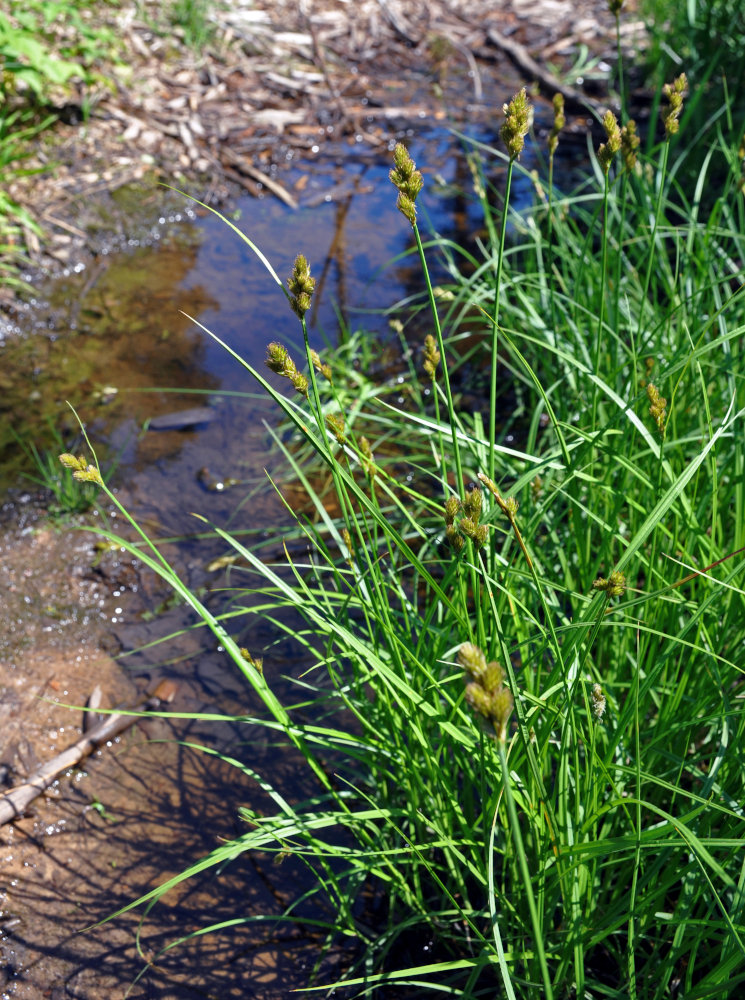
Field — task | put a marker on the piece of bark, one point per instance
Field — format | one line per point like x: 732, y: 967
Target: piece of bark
x: 17, y: 800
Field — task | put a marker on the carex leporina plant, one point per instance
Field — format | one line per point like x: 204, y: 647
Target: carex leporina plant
x: 534, y: 645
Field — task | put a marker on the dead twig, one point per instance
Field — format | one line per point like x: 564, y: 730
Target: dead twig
x: 244, y: 167
x: 15, y: 802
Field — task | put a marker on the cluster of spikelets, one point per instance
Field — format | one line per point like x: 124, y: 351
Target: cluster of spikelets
x: 625, y: 140
x: 673, y: 93
x: 485, y: 690
x: 408, y: 180
x: 613, y: 586
x: 81, y: 470
x: 279, y: 361
x: 462, y: 520
x: 301, y: 286
x: 657, y: 407
x: 431, y: 357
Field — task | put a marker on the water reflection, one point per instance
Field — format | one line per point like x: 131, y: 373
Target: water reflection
x: 116, y: 332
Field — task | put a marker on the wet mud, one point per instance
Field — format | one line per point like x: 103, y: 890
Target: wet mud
x: 138, y: 811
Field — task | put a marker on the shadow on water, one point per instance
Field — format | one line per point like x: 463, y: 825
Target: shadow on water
x: 115, y: 343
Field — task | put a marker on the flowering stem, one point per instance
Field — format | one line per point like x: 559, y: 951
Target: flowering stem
x: 441, y: 349
x: 599, y: 338
x: 522, y: 860
x: 653, y: 237
x: 495, y: 326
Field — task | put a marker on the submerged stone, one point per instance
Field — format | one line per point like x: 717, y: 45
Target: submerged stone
x: 182, y: 419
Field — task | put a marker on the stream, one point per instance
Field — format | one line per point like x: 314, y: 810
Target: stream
x: 113, y: 340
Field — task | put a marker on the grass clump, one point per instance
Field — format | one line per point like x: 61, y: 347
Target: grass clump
x: 525, y: 660
x: 70, y: 482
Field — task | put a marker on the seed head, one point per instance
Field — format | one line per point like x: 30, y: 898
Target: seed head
x: 501, y: 707
x: 468, y: 525
x: 479, y: 699
x: 478, y: 533
x: 674, y: 93
x: 473, y: 661
x: 629, y: 144
x: 456, y: 540
x: 658, y: 407
x: 519, y: 115
x: 473, y: 503
x: 431, y: 356
x: 598, y: 701
x: 614, y: 586
x: 347, y: 539
x: 301, y: 286
x: 408, y: 180
x: 614, y: 6
x: 319, y: 366
x: 335, y: 423
x: 452, y: 508
x: 300, y: 384
x: 559, y: 123
x: 256, y: 661
x: 367, y: 459
x: 608, y: 150
x: 81, y: 471
x: 486, y: 692
x: 278, y: 360
x: 494, y: 676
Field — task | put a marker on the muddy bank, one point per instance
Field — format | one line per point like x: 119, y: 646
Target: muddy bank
x: 138, y: 811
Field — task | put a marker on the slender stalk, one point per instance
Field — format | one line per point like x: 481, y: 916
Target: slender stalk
x: 494, y: 355
x: 441, y: 348
x: 653, y: 248
x: 619, y: 65
x: 527, y: 884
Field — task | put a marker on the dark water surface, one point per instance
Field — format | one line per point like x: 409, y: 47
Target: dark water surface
x: 115, y: 343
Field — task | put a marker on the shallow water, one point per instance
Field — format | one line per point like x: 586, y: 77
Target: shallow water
x: 114, y: 341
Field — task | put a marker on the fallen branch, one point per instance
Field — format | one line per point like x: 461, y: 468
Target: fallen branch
x: 548, y: 82
x: 15, y: 802
x: 244, y: 167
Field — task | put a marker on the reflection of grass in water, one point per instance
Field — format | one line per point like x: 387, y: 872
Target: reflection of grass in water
x: 540, y: 777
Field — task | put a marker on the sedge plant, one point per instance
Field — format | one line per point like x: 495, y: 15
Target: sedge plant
x: 525, y: 663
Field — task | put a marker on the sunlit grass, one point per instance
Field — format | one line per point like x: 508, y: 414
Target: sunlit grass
x: 558, y: 813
